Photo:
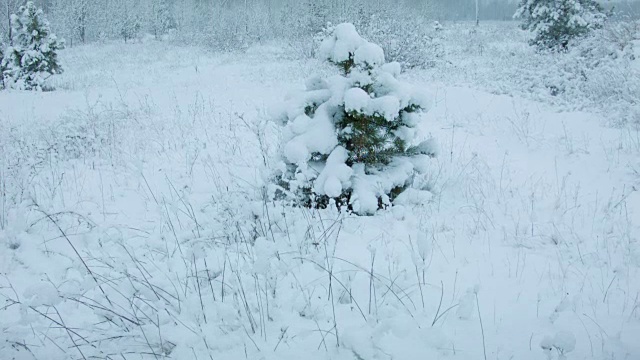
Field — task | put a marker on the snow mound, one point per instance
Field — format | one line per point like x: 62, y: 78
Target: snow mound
x: 345, y: 45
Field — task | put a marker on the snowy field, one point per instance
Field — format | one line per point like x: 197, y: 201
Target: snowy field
x: 133, y: 224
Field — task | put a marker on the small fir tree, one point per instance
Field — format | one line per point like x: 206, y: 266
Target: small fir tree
x: 33, y: 56
x: 351, y: 138
x: 555, y: 23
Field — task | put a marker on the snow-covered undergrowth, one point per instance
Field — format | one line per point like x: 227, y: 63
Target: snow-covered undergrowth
x: 133, y: 225
x: 600, y: 74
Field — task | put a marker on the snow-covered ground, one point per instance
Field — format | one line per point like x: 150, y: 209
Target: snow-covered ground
x: 133, y: 224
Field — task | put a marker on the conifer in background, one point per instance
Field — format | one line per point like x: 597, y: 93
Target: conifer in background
x: 555, y: 23
x: 33, y: 56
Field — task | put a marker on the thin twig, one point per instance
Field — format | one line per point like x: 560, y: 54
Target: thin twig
x: 76, y: 251
x: 484, y: 345
x: 435, y: 318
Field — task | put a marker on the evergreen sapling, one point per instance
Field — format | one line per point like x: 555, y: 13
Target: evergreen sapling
x: 351, y: 139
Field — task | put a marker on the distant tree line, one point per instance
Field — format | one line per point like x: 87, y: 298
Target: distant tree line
x: 216, y: 22
x: 465, y: 10
x: 224, y: 23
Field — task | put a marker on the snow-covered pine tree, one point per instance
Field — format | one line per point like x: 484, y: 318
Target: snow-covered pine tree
x: 352, y: 138
x: 33, y: 55
x: 555, y: 23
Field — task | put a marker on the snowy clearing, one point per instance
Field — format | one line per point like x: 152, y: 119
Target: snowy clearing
x: 133, y: 224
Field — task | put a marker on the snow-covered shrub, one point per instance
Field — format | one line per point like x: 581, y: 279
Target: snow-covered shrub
x: 621, y: 33
x: 599, y: 70
x: 563, y: 343
x: 613, y: 41
x: 229, y: 31
x: 404, y: 38
x: 605, y: 66
x: 33, y: 57
x: 352, y: 138
x: 555, y: 23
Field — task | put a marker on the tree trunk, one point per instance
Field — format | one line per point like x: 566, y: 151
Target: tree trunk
x: 9, y: 23
x: 83, y: 22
